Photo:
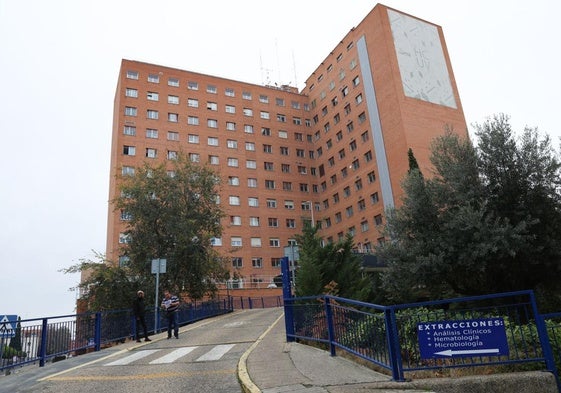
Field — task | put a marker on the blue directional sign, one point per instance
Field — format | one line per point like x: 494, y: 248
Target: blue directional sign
x: 462, y: 338
x: 8, y: 324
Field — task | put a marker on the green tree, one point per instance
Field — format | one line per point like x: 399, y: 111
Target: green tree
x: 174, y: 214
x: 477, y: 224
x: 15, y: 342
x: 332, y: 268
x: 105, y: 286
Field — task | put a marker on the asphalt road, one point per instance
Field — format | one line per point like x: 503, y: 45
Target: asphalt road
x: 203, y: 359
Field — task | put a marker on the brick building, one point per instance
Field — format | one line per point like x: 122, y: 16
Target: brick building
x: 334, y: 152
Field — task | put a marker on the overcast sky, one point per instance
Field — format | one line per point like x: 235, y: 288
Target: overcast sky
x: 59, y: 62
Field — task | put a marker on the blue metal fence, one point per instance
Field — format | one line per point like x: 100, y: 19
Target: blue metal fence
x: 390, y: 336
x: 53, y: 338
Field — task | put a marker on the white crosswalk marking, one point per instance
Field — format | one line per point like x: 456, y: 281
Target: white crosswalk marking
x: 215, y: 353
x: 131, y: 358
x: 173, y: 356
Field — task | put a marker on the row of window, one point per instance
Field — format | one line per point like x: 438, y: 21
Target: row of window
x: 211, y: 89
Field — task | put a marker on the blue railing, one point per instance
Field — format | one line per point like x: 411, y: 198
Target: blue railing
x: 389, y: 337
x: 54, y: 338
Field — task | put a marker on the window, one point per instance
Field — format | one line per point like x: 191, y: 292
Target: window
x: 281, y: 118
x: 211, y: 89
x: 283, y: 134
x: 356, y: 81
x: 129, y: 150
x: 152, y: 96
x: 130, y: 111
x: 361, y: 205
x: 283, y: 150
x: 212, y: 123
x: 253, y: 202
x: 233, y: 180
x: 290, y: 223
x: 365, y: 136
x: 127, y: 171
x: 193, y: 138
x: 344, y: 172
x: 352, y: 145
x: 273, y: 222
x: 264, y: 115
x: 268, y: 166
x: 212, y: 141
x: 192, y: 85
x: 289, y: 205
x: 132, y: 74
x: 235, y: 220
x: 267, y: 148
x: 253, y: 221
x: 173, y: 117
x: 230, y: 126
x: 287, y: 186
x: 252, y: 182
x: 298, y: 136
x: 230, y: 109
x: 154, y: 78
x: 251, y: 164
x: 236, y: 241
x: 257, y: 262
x: 213, y: 160
x: 246, y: 95
x: 364, y: 226
x: 275, y: 262
x: 304, y: 187
x: 129, y: 130
x: 215, y: 241
x: 285, y: 168
x: 374, y: 198
x: 331, y: 161
x: 339, y: 136
x: 350, y: 126
x: 274, y: 242
x: 300, y: 153
x: 193, y: 120
x: 152, y: 114
x: 358, y: 99
x: 256, y: 242
x: 263, y: 99
x: 371, y: 177
x: 279, y: 101
x: 124, y: 238
x: 347, y: 109
x: 232, y: 144
x: 347, y: 192
x: 270, y: 184
x: 248, y: 129
x: 349, y: 211
x: 296, y: 121
x: 378, y: 219
x: 358, y: 185
x: 151, y: 133
x: 247, y: 112
x: 234, y: 200
x: 368, y: 156
x: 151, y: 153
x: 131, y: 93
x: 265, y: 131
x: 338, y: 217
x: 250, y: 146
x: 361, y: 118
x: 212, y: 106
x: 173, y: 100
x: 333, y: 179
x: 232, y: 162
x: 272, y: 203
x: 229, y: 92
x: 173, y: 136
x: 355, y: 164
x: 172, y: 155
x: 174, y: 82
x: 192, y: 102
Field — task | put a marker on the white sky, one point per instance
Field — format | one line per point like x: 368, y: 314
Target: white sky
x: 59, y: 62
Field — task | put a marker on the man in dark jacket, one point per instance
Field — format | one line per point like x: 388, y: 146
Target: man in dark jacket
x: 139, y: 310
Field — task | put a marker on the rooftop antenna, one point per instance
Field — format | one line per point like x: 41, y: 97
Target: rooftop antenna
x: 278, y: 60
x: 265, y: 79
x: 294, y: 69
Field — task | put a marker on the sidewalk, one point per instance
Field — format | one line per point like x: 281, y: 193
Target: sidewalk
x: 272, y: 365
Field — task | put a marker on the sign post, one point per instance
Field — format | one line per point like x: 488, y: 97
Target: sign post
x: 8, y: 324
x: 462, y: 338
x: 158, y: 266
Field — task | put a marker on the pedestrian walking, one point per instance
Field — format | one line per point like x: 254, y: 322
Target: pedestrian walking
x: 171, y: 306
x: 139, y: 310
